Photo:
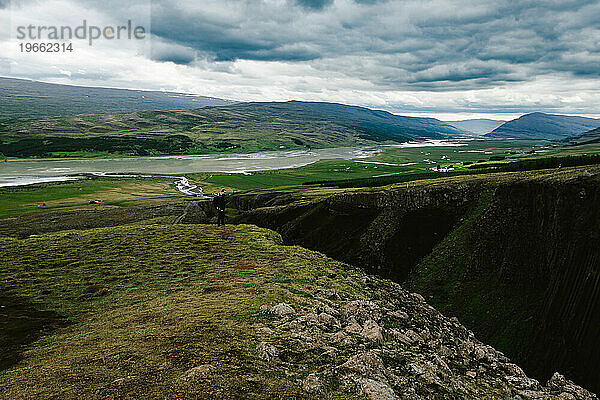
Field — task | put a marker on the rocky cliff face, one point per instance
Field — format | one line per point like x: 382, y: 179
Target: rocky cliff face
x: 525, y: 274
x: 386, y: 232
x: 516, y: 258
x: 396, y: 347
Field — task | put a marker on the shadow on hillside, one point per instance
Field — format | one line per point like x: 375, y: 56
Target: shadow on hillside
x: 22, y: 323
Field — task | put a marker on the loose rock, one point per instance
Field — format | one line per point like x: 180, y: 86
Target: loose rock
x: 282, y: 309
x: 312, y: 384
x: 372, y: 331
x: 266, y: 351
x: 375, y: 390
x: 198, y: 372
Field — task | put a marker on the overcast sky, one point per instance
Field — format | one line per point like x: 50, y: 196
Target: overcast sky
x: 449, y: 59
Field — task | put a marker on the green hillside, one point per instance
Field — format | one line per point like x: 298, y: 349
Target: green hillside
x: 544, y: 126
x: 200, y: 312
x: 139, y: 306
x: 590, y: 137
x: 244, y: 127
x: 20, y: 98
x: 136, y: 308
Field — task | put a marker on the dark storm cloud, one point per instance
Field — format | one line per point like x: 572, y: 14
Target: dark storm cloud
x: 176, y: 58
x: 227, y: 39
x: 171, y: 52
x: 409, y: 45
x: 314, y: 4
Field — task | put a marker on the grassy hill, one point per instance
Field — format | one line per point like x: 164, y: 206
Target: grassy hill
x: 20, y: 98
x: 200, y: 312
x: 373, y: 124
x: 240, y: 127
x: 590, y: 137
x: 544, y: 126
x: 141, y: 305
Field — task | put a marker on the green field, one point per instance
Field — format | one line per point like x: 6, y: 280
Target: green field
x: 48, y: 196
x: 393, y: 162
x: 324, y: 169
x: 362, y: 168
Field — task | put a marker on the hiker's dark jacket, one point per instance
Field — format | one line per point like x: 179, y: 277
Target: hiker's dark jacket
x: 219, y: 202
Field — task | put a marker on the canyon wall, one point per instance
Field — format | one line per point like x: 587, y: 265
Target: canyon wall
x: 516, y: 258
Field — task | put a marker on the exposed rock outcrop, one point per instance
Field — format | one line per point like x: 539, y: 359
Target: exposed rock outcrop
x: 405, y: 350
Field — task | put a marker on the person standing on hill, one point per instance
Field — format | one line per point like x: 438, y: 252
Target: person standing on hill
x: 219, y: 203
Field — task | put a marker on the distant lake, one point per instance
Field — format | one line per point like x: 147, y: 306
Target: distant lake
x: 18, y: 173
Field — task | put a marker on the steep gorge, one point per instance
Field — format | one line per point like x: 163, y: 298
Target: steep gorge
x: 387, y: 232
x: 515, y: 258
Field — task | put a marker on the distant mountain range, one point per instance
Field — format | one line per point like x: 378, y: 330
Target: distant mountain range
x: 371, y: 124
x: 477, y: 127
x: 20, y: 98
x: 241, y: 127
x: 590, y: 137
x: 544, y: 126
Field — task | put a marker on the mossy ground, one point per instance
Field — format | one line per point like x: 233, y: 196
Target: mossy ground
x: 146, y: 303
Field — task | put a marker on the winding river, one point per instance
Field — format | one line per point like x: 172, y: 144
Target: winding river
x: 18, y: 173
